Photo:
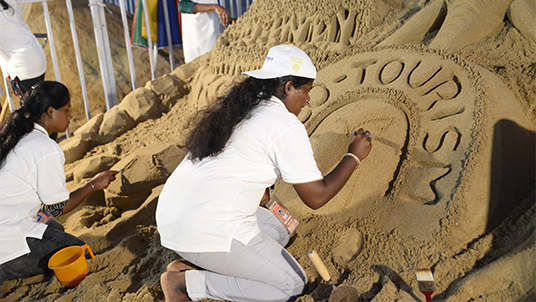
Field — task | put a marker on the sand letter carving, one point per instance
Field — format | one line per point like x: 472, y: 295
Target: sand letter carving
x: 420, y: 107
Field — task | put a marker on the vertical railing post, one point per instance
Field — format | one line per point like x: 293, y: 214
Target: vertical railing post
x: 105, y: 56
x: 52, y: 43
x: 152, y: 60
x: 239, y: 8
x: 168, y: 34
x: 127, y: 45
x: 232, y: 11
x: 78, y: 58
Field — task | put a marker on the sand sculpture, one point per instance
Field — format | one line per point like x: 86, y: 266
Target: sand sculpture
x: 449, y: 184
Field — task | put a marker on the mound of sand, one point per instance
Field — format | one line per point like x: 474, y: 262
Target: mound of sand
x: 447, y: 88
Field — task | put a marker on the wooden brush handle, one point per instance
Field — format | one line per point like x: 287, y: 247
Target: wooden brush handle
x: 319, y: 265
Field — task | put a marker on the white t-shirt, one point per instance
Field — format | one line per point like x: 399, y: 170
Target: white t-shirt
x: 32, y: 175
x: 20, y: 53
x: 205, y: 204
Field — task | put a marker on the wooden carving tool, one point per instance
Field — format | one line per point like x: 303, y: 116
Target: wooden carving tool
x: 426, y: 283
x: 319, y: 266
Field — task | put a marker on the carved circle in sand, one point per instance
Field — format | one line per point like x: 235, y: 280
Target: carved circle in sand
x: 419, y: 106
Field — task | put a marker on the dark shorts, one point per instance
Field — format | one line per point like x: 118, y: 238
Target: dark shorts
x: 36, y: 262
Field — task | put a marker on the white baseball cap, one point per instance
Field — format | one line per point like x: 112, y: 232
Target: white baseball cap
x: 285, y: 60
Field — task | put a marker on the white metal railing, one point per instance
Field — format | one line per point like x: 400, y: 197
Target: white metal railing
x: 235, y: 7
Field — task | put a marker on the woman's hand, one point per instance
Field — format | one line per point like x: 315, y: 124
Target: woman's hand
x: 361, y: 144
x: 103, y: 179
x: 225, y: 17
x: 98, y: 182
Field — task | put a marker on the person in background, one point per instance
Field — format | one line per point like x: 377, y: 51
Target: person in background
x: 32, y: 183
x: 209, y: 211
x: 21, y: 56
x: 202, y: 22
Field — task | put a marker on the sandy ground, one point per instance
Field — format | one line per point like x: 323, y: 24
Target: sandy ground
x: 447, y: 88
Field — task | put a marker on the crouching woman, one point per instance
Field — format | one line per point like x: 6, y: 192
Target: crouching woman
x: 33, y: 185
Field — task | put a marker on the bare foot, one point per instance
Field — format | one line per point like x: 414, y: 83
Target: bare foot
x: 174, y: 287
x: 180, y: 266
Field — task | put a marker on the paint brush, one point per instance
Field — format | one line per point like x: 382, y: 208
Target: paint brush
x: 426, y: 283
x: 124, y: 167
x: 320, y: 267
x: 396, y: 147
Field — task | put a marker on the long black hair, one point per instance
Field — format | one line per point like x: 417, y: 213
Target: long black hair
x: 214, y: 125
x: 37, y: 100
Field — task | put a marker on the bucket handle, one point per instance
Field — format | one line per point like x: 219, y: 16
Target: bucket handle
x: 86, y: 247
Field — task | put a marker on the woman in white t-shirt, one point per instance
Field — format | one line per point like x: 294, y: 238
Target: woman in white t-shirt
x: 32, y: 183
x: 208, y: 211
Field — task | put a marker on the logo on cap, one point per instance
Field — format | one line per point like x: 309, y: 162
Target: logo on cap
x: 296, y: 67
x: 296, y: 59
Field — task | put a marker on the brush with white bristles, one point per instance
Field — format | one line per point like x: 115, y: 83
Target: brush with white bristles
x: 426, y: 282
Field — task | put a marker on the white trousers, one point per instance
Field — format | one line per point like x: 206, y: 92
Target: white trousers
x: 260, y: 271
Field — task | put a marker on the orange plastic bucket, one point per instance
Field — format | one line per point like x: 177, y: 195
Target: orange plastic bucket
x: 70, y: 265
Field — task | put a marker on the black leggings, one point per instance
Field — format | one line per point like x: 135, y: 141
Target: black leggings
x: 36, y: 262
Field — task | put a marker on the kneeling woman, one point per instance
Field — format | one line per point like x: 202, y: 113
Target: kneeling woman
x: 208, y: 211
x: 32, y: 181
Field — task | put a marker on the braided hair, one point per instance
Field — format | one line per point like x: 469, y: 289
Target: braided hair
x: 37, y: 100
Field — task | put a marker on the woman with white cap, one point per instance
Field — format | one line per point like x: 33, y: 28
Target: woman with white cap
x: 208, y: 211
